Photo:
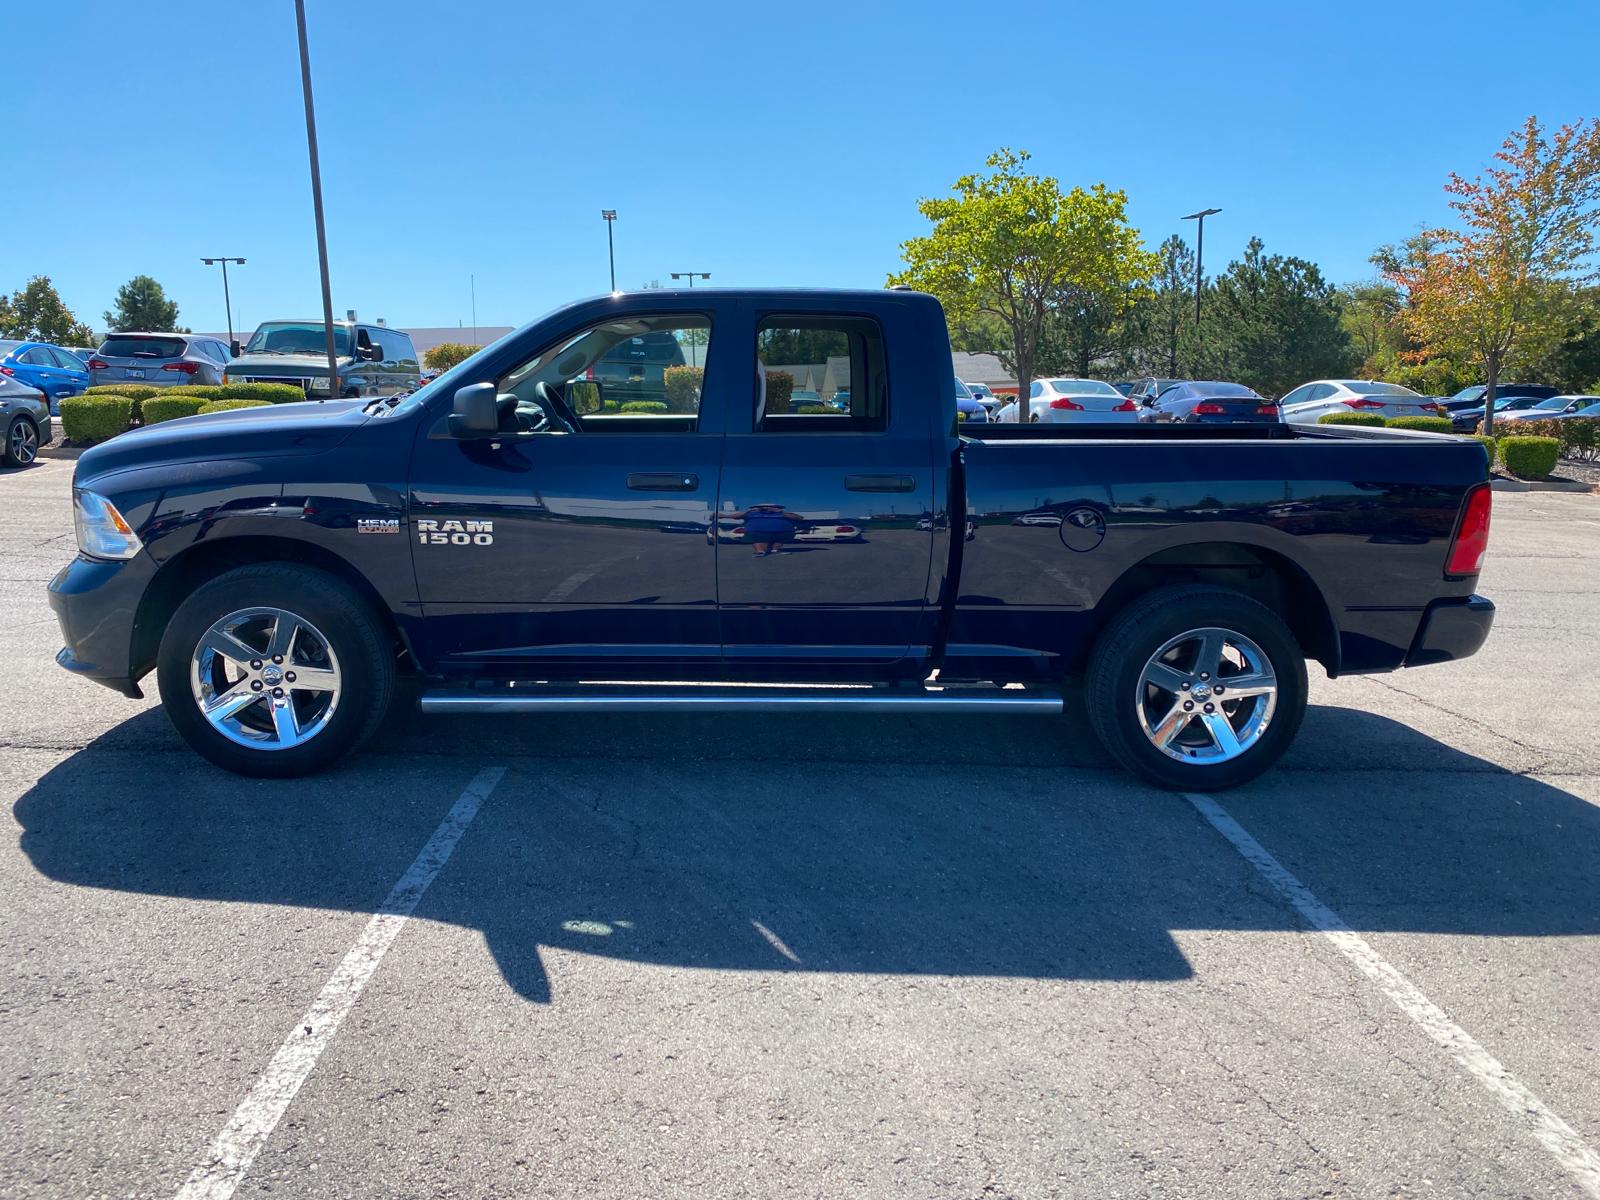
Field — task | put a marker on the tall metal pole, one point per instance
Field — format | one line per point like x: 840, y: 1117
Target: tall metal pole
x: 610, y: 215
x: 316, y: 199
x: 472, y: 282
x: 1199, y: 253
x: 227, y: 300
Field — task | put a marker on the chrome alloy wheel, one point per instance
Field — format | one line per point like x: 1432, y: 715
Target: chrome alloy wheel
x: 265, y: 678
x: 1207, y: 696
x: 24, y: 443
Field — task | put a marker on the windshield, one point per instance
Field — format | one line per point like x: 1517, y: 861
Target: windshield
x: 121, y: 346
x: 963, y: 392
x: 1470, y: 393
x: 1553, y: 402
x: 1213, y: 388
x: 1084, y: 387
x: 297, y: 337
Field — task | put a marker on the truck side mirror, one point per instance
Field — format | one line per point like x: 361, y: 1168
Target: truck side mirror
x: 474, y: 412
x: 234, y: 348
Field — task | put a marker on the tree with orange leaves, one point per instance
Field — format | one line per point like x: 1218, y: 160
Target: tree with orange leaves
x: 1500, y: 286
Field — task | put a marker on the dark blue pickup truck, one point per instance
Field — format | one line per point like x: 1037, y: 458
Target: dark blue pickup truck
x: 535, y: 532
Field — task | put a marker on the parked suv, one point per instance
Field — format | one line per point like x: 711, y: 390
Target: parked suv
x: 158, y: 359
x: 373, y: 360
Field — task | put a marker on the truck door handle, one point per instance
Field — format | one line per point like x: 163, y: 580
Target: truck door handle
x: 879, y: 483
x: 663, y: 481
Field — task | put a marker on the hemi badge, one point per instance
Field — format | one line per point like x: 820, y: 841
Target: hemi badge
x: 377, y: 525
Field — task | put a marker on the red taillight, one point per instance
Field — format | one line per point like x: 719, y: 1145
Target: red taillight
x: 738, y: 531
x: 1363, y: 402
x: 844, y: 528
x: 1266, y: 410
x: 7, y: 371
x: 188, y: 368
x: 588, y: 373
x: 98, y: 364
x: 1439, y: 410
x: 1066, y: 405
x: 1207, y: 409
x: 1125, y: 406
x: 1472, y: 534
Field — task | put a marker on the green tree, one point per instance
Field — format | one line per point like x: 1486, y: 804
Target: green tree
x: 1016, y: 248
x: 1503, y: 285
x: 1271, y: 322
x: 1151, y: 332
x: 447, y: 354
x: 36, y: 313
x: 143, y: 305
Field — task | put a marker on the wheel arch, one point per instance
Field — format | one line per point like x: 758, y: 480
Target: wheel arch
x: 205, y: 560
x: 1262, y: 573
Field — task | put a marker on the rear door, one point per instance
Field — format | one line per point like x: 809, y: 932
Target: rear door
x: 825, y: 523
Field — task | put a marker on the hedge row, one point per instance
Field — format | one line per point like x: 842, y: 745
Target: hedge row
x: 1421, y: 424
x: 644, y: 406
x: 1578, y: 437
x: 1376, y: 421
x: 155, y: 409
x: 1372, y: 420
x: 276, y: 393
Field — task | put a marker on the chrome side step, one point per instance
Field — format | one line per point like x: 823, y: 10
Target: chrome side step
x: 718, y: 698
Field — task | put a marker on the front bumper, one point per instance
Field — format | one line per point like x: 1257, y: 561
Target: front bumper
x: 1451, y: 629
x: 96, y: 604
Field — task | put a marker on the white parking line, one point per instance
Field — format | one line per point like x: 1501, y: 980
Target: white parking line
x: 1554, y: 1134
x: 253, y: 1122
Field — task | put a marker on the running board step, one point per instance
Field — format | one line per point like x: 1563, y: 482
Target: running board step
x: 715, y: 699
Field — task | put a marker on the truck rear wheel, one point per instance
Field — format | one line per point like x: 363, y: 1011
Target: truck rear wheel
x: 274, y: 670
x: 1196, y: 688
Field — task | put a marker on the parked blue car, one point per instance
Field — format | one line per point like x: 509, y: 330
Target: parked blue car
x: 1210, y: 402
x: 54, y: 371
x: 968, y: 407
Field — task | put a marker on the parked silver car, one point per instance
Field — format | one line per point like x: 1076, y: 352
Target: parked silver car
x: 159, y: 359
x: 1312, y: 401
x: 24, y: 422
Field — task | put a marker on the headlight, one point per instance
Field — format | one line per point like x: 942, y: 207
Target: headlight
x: 317, y: 383
x: 102, y: 533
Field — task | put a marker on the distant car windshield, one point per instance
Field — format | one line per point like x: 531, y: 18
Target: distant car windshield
x: 143, y: 347
x: 1470, y: 393
x: 1553, y: 402
x: 963, y: 392
x: 1084, y: 387
x: 1365, y: 387
x: 297, y: 337
x: 1213, y: 388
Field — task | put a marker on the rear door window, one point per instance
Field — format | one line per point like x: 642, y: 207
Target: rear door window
x: 820, y: 374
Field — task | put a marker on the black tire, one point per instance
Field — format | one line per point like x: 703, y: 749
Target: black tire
x: 356, y: 643
x: 9, y: 454
x: 1115, y: 695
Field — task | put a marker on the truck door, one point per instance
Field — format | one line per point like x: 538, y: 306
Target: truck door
x: 825, y: 519
x: 579, y: 545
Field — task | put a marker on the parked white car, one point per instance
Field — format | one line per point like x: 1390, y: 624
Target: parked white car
x: 1556, y: 406
x: 1309, y: 401
x: 1061, y: 401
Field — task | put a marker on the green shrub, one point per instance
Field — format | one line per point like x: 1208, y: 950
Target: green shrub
x: 94, y: 418
x: 134, y: 391
x: 1579, y: 437
x: 206, y: 391
x: 276, y: 393
x: 157, y: 409
x: 1352, y: 418
x: 683, y: 388
x: 447, y: 354
x: 780, y: 386
x: 1421, y: 424
x: 212, y: 406
x: 818, y: 410
x: 1529, y: 457
x: 644, y: 406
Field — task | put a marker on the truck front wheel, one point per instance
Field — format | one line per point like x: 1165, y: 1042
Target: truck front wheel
x: 274, y: 670
x: 1196, y: 688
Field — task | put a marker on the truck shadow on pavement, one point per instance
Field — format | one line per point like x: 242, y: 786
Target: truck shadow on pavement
x: 940, y: 846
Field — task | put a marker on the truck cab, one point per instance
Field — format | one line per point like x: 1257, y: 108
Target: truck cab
x: 372, y: 360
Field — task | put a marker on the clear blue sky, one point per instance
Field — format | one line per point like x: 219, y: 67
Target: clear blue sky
x: 767, y: 144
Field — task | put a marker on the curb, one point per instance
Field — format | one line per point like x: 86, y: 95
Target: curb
x: 62, y: 452
x: 1501, y: 484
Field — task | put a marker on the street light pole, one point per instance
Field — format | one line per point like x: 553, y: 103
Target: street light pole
x: 227, y: 300
x: 1199, y: 252
x: 610, y: 215
x: 316, y: 199
x: 691, y: 276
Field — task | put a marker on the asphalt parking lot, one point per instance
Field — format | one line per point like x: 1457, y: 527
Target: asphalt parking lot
x: 892, y: 957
